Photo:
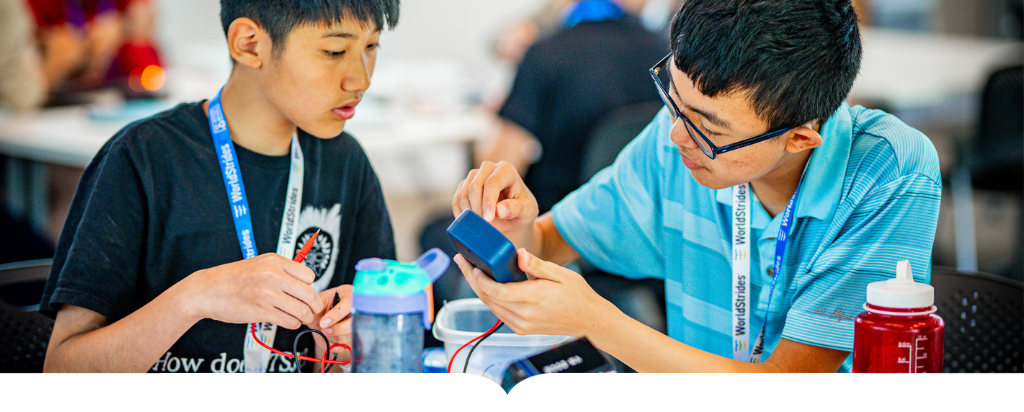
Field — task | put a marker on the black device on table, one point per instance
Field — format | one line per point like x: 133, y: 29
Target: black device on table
x: 578, y: 356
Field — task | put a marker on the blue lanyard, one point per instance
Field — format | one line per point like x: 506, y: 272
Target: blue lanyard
x: 592, y: 10
x: 780, y: 251
x: 741, y: 308
x: 232, y: 178
x: 255, y: 357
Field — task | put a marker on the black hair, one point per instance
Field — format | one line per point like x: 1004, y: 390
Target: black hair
x: 796, y: 59
x: 279, y: 17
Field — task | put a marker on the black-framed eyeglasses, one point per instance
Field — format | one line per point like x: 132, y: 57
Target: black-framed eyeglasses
x: 702, y: 141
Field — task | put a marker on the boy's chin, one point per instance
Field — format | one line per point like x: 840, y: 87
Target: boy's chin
x: 710, y: 182
x: 326, y: 131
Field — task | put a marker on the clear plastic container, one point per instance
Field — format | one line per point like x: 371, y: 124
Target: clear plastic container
x: 461, y: 320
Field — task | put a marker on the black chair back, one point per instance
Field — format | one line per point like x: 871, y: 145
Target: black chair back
x: 984, y: 316
x: 997, y: 156
x: 24, y: 332
x: 612, y: 133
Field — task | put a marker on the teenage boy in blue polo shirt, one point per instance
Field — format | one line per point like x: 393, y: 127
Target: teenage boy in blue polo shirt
x: 755, y: 168
x: 153, y: 270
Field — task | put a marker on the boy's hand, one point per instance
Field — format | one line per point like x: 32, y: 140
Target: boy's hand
x: 266, y: 288
x: 336, y: 322
x: 497, y: 193
x: 555, y: 301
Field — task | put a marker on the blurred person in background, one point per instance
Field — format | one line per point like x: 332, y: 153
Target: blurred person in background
x: 518, y: 36
x: 24, y: 78
x: 552, y: 104
x: 552, y: 108
x: 88, y: 44
x: 22, y: 86
x: 50, y: 49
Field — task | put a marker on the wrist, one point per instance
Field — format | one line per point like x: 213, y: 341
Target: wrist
x: 522, y: 237
x: 604, y: 322
x: 185, y: 300
x: 533, y: 239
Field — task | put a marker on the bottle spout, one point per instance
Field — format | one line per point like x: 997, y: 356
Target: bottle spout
x: 434, y: 262
x: 901, y: 291
x: 904, y: 274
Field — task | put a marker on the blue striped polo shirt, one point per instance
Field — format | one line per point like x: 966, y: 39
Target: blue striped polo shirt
x: 870, y: 197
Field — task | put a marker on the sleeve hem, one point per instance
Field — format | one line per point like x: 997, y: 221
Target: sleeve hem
x: 568, y: 228
x: 828, y: 345
x: 87, y: 300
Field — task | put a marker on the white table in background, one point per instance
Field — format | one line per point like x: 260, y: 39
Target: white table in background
x: 909, y: 70
x: 68, y: 136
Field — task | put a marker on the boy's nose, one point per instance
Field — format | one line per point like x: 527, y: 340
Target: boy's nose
x: 680, y: 136
x: 358, y: 79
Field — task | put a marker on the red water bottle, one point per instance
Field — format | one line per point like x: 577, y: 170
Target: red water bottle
x: 898, y: 332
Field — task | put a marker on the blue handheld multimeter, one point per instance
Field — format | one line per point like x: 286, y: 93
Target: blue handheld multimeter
x: 485, y: 247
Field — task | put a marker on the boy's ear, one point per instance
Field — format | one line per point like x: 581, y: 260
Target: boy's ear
x: 803, y: 138
x: 245, y: 42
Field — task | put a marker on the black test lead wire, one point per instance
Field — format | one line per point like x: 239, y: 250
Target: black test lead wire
x: 295, y: 342
x: 295, y: 349
x: 495, y: 329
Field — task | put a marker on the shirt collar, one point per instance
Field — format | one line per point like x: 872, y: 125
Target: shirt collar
x: 823, y: 180
x: 591, y: 10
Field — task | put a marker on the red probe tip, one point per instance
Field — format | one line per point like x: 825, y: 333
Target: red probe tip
x: 301, y: 255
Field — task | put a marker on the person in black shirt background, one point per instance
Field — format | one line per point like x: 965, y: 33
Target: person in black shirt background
x: 564, y: 85
x: 149, y: 275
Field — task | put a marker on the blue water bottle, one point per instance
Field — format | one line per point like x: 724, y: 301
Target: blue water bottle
x: 391, y: 306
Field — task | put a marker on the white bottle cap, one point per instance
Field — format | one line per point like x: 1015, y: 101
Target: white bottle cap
x: 901, y: 292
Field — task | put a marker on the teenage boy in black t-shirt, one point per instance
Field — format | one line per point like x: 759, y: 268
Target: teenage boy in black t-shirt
x: 149, y: 274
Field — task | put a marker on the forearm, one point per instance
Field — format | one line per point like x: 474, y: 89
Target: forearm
x: 548, y: 244
x: 104, y: 38
x: 63, y: 54
x: 647, y: 350
x: 132, y: 344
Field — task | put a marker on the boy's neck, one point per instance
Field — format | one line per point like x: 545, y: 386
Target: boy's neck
x: 776, y: 188
x: 254, y: 122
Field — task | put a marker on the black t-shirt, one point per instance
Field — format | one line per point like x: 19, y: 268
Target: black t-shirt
x: 567, y: 82
x: 151, y: 209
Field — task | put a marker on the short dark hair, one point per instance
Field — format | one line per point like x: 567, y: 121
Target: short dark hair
x: 797, y: 59
x: 279, y: 17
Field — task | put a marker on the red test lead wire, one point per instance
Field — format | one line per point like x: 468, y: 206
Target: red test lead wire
x: 323, y: 361
x: 492, y: 329
x: 299, y: 257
